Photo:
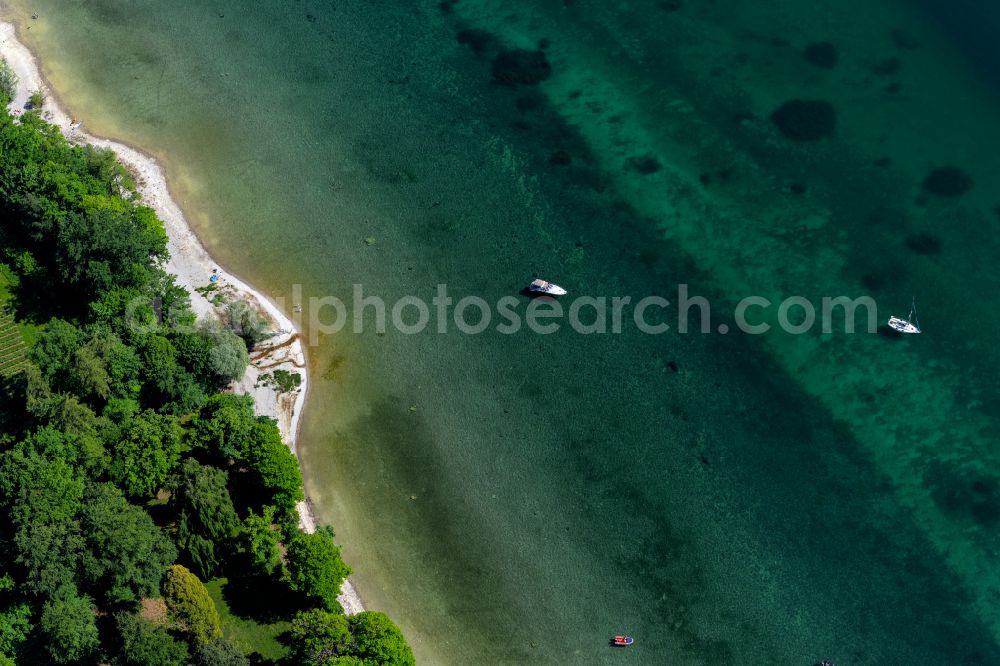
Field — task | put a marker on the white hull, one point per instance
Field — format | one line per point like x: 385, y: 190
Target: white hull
x: 902, y: 325
x: 543, y: 287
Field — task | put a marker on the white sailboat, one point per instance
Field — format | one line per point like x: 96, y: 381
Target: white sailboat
x: 909, y: 325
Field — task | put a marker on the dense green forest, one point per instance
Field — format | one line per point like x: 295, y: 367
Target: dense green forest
x: 132, y: 486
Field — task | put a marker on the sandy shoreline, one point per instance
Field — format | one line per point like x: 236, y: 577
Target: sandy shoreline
x: 193, y: 266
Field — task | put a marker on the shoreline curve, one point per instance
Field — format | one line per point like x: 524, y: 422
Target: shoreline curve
x: 192, y: 266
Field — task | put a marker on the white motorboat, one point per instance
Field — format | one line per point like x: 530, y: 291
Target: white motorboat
x: 543, y: 287
x: 908, y: 325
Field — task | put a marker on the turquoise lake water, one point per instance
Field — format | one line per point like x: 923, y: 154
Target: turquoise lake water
x: 517, y: 499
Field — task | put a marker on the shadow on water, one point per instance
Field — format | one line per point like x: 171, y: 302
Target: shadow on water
x: 889, y: 333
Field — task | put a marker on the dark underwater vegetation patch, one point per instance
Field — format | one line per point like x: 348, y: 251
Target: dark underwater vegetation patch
x: 965, y: 495
x: 805, y: 119
x: 561, y: 158
x: 645, y: 164
x: 947, y: 181
x: 821, y: 54
x: 477, y: 40
x: 670, y: 5
x: 521, y: 67
x: 721, y: 176
x: 873, y: 281
x: 925, y: 244
x: 882, y: 162
x: 528, y: 103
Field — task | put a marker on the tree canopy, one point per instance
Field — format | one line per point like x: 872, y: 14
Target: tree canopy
x: 220, y: 652
x: 322, y: 638
x: 276, y: 466
x: 125, y: 553
x: 207, y: 522
x: 318, y: 635
x: 48, y: 556
x: 377, y: 640
x: 37, y: 489
x: 146, y: 644
x: 70, y: 627
x: 314, y: 567
x: 145, y: 450
x: 260, y: 541
x: 190, y: 605
x: 15, y: 626
x: 225, y: 425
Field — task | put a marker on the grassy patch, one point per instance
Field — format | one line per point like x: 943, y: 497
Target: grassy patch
x: 252, y: 636
x: 29, y: 333
x: 13, y: 350
x: 15, y: 337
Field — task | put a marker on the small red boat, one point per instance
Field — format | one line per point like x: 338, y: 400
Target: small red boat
x: 622, y: 641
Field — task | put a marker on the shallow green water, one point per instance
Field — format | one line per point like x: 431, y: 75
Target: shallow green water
x: 728, y: 499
